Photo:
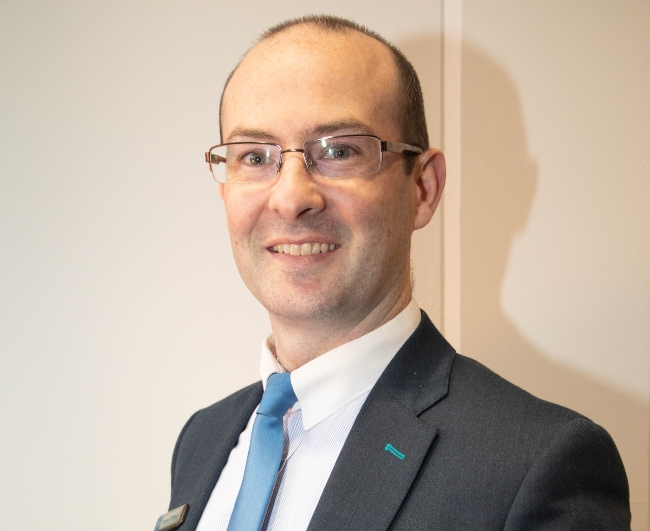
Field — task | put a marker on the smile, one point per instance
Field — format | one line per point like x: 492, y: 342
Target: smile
x: 303, y: 249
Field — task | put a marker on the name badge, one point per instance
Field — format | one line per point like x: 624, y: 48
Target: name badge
x: 172, y: 519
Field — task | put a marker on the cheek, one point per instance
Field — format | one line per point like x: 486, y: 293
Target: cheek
x: 370, y: 212
x: 356, y: 207
x: 242, y: 212
x: 394, y: 221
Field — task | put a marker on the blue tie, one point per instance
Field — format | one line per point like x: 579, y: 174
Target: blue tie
x: 264, y: 454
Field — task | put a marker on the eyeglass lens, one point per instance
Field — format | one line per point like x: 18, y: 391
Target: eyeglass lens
x: 333, y: 158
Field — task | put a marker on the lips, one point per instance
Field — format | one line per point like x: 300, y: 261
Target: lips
x: 303, y: 249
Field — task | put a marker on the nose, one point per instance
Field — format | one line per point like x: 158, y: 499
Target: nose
x: 295, y: 194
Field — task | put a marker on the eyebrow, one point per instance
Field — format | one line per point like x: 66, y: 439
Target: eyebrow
x: 326, y: 129
x: 340, y: 126
x: 251, y: 134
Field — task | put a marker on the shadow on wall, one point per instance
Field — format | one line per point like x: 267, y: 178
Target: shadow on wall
x: 499, y: 181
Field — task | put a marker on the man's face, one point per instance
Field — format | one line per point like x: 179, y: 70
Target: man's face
x: 298, y: 86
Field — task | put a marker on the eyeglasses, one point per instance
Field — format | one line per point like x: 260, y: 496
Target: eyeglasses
x: 332, y: 157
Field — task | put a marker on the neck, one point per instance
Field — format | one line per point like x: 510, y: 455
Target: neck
x: 296, y: 343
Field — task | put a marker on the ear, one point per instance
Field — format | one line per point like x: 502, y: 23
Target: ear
x: 431, y: 181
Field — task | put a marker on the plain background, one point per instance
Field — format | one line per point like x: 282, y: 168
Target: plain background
x: 121, y: 311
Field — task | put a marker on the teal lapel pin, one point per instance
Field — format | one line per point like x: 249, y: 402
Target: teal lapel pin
x: 390, y: 448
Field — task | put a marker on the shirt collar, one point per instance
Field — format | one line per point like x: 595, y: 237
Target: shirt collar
x: 328, y: 382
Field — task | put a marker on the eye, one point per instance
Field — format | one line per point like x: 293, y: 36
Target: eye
x: 337, y: 152
x: 255, y: 158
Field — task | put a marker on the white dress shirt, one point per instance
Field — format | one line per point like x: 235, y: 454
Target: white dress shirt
x: 331, y: 390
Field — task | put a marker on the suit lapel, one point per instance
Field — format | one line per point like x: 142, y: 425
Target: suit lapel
x: 370, y: 481
x: 209, y: 454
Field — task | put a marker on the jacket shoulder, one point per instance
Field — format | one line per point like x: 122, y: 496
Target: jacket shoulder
x: 494, y: 396
x: 222, y: 411
x: 217, y: 415
x: 509, y: 456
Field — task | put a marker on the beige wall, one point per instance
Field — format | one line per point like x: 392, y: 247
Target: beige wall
x: 555, y: 224
x: 120, y: 308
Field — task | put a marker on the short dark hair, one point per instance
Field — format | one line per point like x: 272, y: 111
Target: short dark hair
x: 410, y: 102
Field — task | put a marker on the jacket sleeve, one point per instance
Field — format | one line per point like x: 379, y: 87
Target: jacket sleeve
x: 577, y: 483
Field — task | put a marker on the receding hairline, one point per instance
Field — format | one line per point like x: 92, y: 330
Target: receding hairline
x: 325, y: 24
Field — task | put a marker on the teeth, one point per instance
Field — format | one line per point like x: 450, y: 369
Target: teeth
x: 303, y: 249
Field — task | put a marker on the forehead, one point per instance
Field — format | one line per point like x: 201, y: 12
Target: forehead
x: 304, y: 77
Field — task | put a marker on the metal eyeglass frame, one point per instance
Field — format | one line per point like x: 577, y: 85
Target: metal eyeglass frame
x: 385, y: 145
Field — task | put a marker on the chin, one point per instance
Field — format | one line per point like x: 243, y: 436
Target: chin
x: 305, y: 307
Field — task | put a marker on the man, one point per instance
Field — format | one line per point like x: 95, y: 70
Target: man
x: 326, y: 172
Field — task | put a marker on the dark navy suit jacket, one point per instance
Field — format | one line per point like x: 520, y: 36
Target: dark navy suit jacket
x: 479, y: 454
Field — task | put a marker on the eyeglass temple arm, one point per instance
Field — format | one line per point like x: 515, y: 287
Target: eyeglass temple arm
x: 398, y: 147
x: 213, y: 158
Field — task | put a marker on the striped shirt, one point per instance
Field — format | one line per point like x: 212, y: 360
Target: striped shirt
x: 331, y: 390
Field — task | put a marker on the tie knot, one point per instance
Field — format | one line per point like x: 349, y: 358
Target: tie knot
x: 278, y: 396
